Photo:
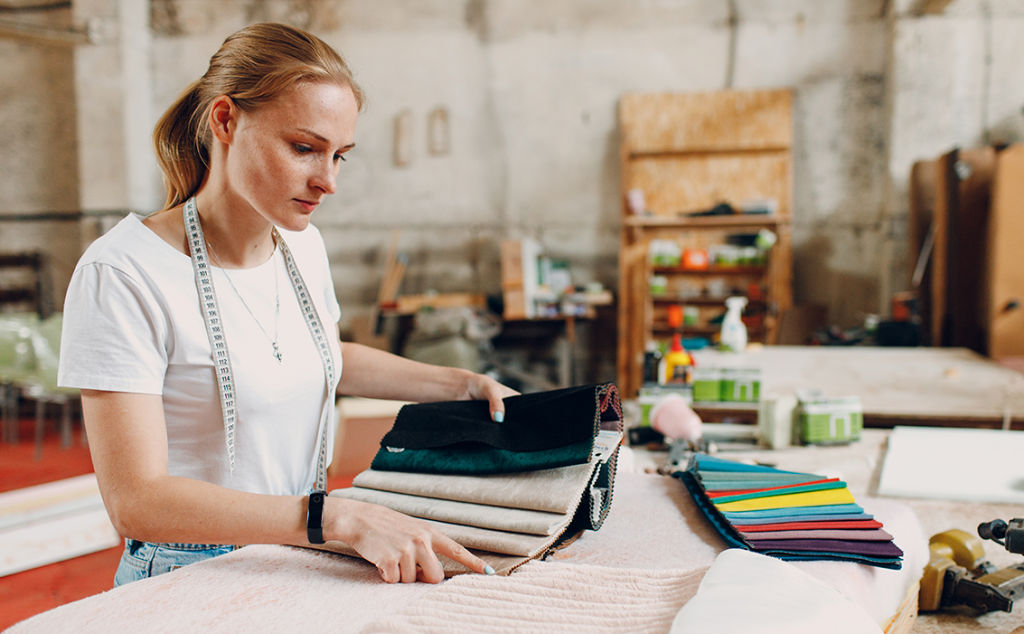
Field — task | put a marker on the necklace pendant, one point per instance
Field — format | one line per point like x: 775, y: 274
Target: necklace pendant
x: 277, y: 351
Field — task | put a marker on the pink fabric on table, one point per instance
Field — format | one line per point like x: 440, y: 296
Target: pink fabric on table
x: 864, y: 535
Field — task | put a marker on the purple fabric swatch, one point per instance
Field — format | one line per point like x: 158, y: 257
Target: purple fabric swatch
x: 828, y: 546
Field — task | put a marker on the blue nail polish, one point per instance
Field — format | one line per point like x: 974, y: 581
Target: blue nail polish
x: 488, y: 570
x: 499, y: 417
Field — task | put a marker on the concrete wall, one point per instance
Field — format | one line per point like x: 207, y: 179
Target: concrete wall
x: 530, y: 88
x: 38, y: 148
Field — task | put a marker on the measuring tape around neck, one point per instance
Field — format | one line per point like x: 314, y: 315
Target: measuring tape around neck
x: 219, y: 344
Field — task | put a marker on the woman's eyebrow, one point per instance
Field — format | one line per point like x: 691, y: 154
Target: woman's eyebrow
x: 324, y: 139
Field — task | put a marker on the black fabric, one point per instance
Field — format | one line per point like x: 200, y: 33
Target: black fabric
x: 533, y: 422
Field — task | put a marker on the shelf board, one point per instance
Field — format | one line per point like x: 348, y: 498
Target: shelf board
x: 700, y: 301
x: 707, y: 151
x: 706, y: 222
x: 711, y: 270
x: 703, y: 330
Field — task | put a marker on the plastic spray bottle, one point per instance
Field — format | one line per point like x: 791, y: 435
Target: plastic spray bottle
x: 734, y: 331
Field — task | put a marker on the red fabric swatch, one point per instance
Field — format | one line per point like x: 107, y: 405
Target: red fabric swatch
x: 803, y: 526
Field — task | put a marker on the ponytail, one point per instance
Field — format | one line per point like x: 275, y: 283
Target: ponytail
x: 253, y: 66
x: 180, y: 149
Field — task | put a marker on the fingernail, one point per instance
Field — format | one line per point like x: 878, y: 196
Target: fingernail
x: 488, y: 570
x: 499, y: 417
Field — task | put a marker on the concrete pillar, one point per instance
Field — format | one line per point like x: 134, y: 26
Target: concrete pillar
x: 113, y: 85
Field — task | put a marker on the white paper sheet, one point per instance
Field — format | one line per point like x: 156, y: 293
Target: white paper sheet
x: 976, y: 465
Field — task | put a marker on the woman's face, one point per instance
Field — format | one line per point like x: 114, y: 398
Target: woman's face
x: 284, y: 157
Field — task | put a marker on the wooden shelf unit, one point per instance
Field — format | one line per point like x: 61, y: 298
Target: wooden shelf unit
x: 688, y: 153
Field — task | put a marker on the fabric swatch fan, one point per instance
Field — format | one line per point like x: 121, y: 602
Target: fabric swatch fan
x: 510, y: 491
x: 789, y: 515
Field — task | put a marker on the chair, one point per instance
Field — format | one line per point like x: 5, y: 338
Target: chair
x: 35, y: 291
x: 17, y: 361
x: 41, y: 385
x: 32, y: 374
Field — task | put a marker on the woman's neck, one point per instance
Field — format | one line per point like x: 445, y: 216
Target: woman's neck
x: 238, y: 236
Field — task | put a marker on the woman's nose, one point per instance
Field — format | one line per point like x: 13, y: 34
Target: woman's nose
x: 326, y: 177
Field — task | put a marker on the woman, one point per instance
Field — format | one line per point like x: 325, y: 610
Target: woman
x: 198, y: 336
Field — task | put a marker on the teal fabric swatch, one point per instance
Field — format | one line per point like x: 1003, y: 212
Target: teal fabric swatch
x: 795, y: 511
x: 480, y: 459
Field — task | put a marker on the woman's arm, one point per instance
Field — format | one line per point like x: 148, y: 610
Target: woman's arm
x: 377, y: 374
x: 128, y: 443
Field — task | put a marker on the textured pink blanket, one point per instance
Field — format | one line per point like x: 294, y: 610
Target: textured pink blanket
x: 653, y: 527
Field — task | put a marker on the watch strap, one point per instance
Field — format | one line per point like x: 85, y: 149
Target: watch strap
x: 315, y: 517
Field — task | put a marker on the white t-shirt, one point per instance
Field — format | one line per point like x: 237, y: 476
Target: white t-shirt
x: 132, y: 323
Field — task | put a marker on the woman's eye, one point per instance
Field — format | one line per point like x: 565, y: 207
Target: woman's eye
x: 302, y: 149
x: 339, y: 156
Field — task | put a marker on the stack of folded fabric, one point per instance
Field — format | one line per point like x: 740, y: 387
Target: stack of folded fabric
x: 785, y: 514
x: 509, y: 491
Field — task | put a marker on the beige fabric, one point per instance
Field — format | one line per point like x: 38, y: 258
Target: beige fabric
x: 548, y: 597
x: 481, y: 515
x: 551, y: 490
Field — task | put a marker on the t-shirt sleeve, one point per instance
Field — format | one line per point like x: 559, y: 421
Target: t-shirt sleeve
x: 113, y: 334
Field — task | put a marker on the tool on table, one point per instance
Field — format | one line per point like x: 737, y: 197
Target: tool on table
x: 958, y: 575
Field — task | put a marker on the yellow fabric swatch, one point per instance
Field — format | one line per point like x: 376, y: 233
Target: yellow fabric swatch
x: 808, y: 498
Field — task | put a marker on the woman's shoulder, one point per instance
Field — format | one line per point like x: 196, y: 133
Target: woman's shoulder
x: 130, y: 245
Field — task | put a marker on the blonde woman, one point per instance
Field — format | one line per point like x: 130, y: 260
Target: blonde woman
x: 204, y: 337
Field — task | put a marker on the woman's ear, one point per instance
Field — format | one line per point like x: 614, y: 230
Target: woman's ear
x: 222, y: 118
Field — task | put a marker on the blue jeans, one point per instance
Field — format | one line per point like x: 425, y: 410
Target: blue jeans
x: 142, y: 560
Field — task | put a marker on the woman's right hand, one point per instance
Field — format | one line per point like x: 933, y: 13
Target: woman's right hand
x: 403, y: 548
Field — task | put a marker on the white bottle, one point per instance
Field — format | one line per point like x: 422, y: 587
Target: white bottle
x: 734, y: 331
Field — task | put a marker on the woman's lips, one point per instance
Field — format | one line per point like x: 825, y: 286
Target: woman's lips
x: 307, y: 205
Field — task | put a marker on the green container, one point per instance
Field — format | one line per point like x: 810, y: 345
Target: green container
x: 741, y: 385
x: 707, y: 384
x: 834, y: 420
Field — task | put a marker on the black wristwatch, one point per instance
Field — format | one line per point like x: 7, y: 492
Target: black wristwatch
x: 315, y: 517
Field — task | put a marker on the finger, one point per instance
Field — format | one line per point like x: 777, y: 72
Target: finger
x: 456, y: 552
x: 408, y: 568
x: 497, y: 410
x: 430, y: 569
x: 389, y: 572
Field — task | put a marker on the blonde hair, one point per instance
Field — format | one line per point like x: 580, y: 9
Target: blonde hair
x: 252, y: 67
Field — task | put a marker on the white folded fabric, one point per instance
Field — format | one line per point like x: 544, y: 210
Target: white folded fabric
x: 747, y: 592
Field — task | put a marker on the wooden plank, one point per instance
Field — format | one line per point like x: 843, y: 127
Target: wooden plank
x: 1006, y: 275
x: 735, y: 221
x: 689, y: 184
x: 923, y: 189
x: 961, y: 227
x: 409, y: 304
x: 632, y: 333
x: 725, y: 120
x: 945, y: 187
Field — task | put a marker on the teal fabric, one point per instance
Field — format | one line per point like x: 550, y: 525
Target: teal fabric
x: 796, y: 511
x: 480, y: 459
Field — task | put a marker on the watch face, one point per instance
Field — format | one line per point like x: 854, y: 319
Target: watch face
x: 317, y: 498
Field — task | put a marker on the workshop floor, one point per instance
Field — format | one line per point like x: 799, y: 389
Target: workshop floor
x: 34, y: 591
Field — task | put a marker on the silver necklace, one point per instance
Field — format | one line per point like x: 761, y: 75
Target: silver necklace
x: 277, y: 300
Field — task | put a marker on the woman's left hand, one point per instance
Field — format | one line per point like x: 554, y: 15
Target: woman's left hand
x: 483, y: 387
